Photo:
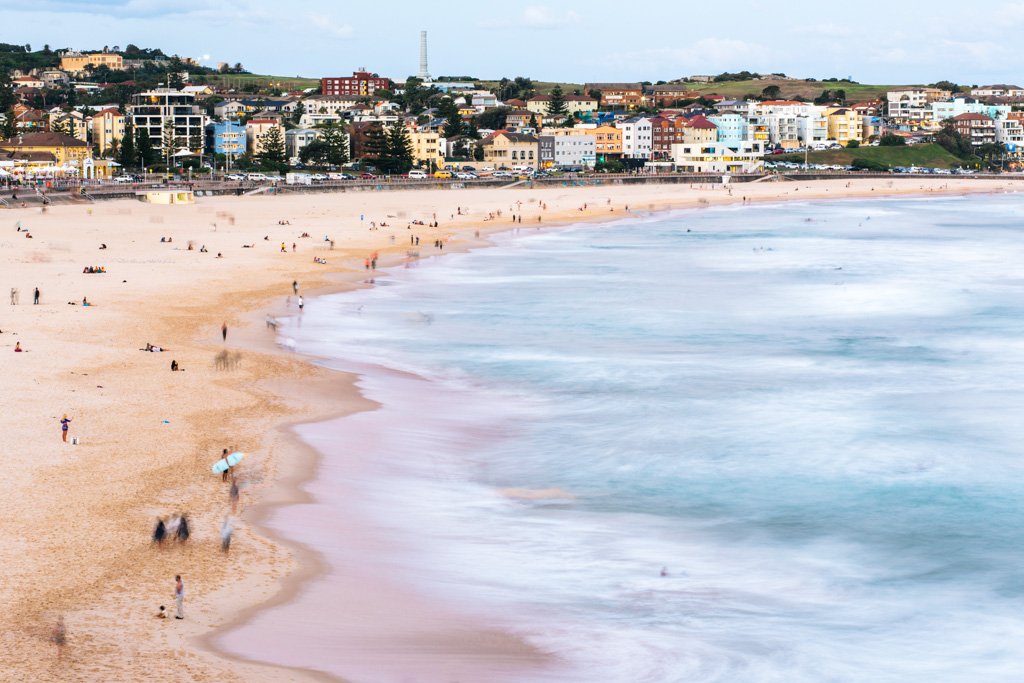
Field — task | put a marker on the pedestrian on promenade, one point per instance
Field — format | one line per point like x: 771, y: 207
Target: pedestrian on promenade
x: 179, y: 596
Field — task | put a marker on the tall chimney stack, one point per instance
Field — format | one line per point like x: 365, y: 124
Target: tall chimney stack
x: 423, y: 74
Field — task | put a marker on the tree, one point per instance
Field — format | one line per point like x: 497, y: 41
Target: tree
x: 126, y: 155
x: 556, y: 107
x: 772, y: 92
x: 300, y: 109
x: 7, y: 96
x: 447, y: 109
x: 948, y: 85
x: 10, y: 127
x: 891, y: 140
x: 869, y: 165
x: 336, y: 140
x: 272, y: 154
x: 376, y: 144
x: 169, y: 140
x: 950, y: 139
x: 399, y: 148
x: 145, y: 151
x: 63, y: 127
x: 315, y: 154
x: 493, y: 119
x: 853, y: 144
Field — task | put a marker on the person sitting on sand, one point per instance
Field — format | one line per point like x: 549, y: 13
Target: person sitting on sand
x: 85, y: 302
x: 17, y: 347
x: 162, y: 613
x: 103, y: 245
x: 174, y: 366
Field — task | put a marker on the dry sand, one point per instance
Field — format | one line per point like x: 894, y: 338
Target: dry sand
x: 75, y: 520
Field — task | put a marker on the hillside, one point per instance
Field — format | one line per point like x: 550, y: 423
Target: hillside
x: 930, y: 155
x: 855, y: 92
x: 240, y: 81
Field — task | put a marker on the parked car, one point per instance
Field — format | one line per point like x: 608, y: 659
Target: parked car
x: 487, y: 169
x: 501, y: 174
x: 234, y: 176
x: 320, y: 178
x: 443, y: 175
x: 468, y: 168
x: 417, y: 175
x: 340, y: 176
x: 463, y: 175
x: 258, y: 177
x: 126, y: 179
x: 367, y: 176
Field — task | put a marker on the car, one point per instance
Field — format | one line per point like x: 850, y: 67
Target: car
x: 234, y: 176
x: 259, y: 177
x: 488, y: 169
x: 468, y: 168
x: 125, y: 179
x: 463, y: 175
x: 340, y: 176
x: 367, y: 176
x: 501, y: 174
x: 417, y: 175
x: 319, y: 177
x: 443, y: 175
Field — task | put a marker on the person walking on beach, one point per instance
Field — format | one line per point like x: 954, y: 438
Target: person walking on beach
x: 160, y: 532
x: 179, y: 596
x: 224, y: 331
x: 225, y: 534
x: 295, y: 287
x: 35, y: 296
x: 227, y: 471
x: 301, y: 303
x: 59, y: 636
x: 64, y: 422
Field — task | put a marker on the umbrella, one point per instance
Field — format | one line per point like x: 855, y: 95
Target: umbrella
x: 227, y: 463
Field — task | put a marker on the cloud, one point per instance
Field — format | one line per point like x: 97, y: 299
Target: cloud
x: 535, y: 17
x: 708, y: 53
x: 329, y: 26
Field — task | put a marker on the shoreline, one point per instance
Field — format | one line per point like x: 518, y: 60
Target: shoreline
x: 253, y: 293
x: 293, y: 584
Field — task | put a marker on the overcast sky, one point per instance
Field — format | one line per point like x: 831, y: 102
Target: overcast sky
x: 600, y: 40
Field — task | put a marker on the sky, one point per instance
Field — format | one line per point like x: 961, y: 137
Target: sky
x: 599, y: 40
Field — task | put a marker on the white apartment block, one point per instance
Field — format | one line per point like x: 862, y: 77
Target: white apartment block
x: 150, y: 111
x: 637, y: 139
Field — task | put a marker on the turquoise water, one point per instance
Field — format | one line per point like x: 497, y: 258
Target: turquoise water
x: 809, y: 414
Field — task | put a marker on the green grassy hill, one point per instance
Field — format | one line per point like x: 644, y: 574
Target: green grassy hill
x: 238, y: 81
x: 855, y: 92
x: 930, y: 155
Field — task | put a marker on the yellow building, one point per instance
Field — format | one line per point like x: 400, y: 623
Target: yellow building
x: 609, y: 141
x: 845, y: 125
x: 257, y: 127
x: 107, y: 128
x: 65, y: 149
x: 73, y: 121
x: 508, y: 150
x: 75, y: 62
x: 426, y: 148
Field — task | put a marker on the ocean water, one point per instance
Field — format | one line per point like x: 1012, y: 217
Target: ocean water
x: 809, y: 414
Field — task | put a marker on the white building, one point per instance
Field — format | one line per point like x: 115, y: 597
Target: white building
x: 965, y: 105
x: 150, y: 111
x: 812, y: 129
x: 716, y: 157
x: 788, y: 123
x: 1001, y: 90
x: 909, y: 107
x: 1010, y: 132
x: 637, y: 138
x: 296, y: 139
x: 328, y: 104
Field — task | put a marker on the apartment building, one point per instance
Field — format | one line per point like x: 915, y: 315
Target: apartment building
x: 978, y: 128
x: 636, y: 137
x: 108, y: 127
x: 618, y: 95
x: 258, y: 126
x: 716, y: 157
x: 150, y: 111
x: 226, y: 137
x: 297, y: 139
x: 511, y: 149
x: 75, y: 62
x: 361, y: 83
x: 567, y: 151
x: 908, y: 108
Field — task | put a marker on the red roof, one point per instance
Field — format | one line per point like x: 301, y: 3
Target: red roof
x: 701, y: 122
x: 972, y: 117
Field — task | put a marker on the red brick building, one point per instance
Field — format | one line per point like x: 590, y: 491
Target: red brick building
x: 359, y: 84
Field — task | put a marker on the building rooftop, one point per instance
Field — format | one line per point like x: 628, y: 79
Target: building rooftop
x: 43, y: 139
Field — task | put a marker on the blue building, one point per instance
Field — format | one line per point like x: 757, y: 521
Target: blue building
x: 732, y: 129
x: 227, y: 137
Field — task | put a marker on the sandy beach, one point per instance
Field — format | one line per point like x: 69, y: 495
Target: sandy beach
x: 77, y: 519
